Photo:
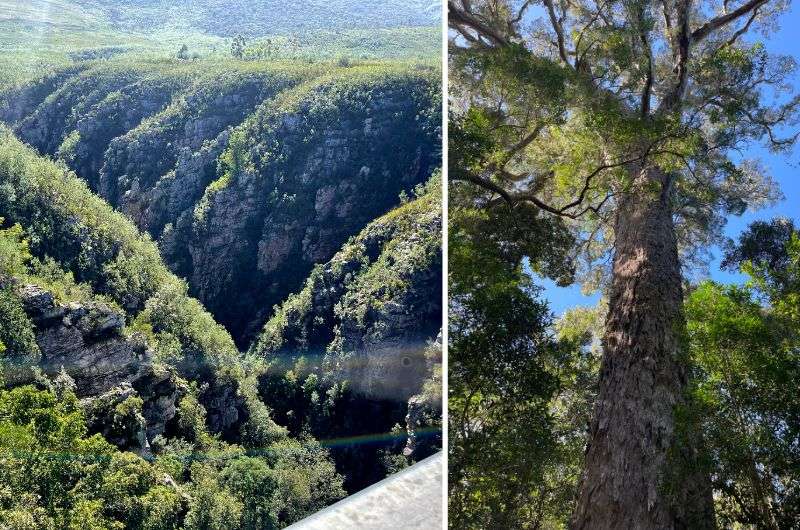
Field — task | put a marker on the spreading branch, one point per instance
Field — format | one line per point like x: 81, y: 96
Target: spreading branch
x: 726, y: 18
x: 461, y: 18
x: 513, y: 198
x: 744, y: 29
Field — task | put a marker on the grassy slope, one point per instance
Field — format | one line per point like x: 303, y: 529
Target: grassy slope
x: 37, y: 36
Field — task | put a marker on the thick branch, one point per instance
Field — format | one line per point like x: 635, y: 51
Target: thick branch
x: 513, y: 198
x: 523, y: 143
x: 715, y: 23
x: 741, y: 31
x: 648, y: 84
x: 580, y: 64
x: 460, y: 18
x: 681, y: 49
x: 521, y: 12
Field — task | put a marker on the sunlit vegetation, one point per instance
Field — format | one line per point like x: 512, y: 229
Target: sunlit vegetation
x: 160, y: 141
x: 38, y: 37
x: 71, y: 236
x: 57, y: 475
x: 127, y: 130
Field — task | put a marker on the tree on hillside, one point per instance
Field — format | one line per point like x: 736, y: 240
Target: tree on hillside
x: 238, y: 46
x: 183, y: 53
x: 623, y: 118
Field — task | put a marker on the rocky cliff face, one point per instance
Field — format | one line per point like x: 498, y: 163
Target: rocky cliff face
x: 295, y: 182
x: 127, y: 396
x: 51, y: 121
x: 88, y: 344
x: 248, y: 175
x: 381, y: 290
x: 86, y: 341
x: 22, y: 101
x: 363, y: 333
x: 136, y: 161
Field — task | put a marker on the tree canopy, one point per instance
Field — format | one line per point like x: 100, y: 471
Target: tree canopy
x: 560, y: 99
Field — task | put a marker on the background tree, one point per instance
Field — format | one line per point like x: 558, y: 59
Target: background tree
x: 238, y: 46
x: 622, y: 118
x: 503, y: 373
x: 744, y: 346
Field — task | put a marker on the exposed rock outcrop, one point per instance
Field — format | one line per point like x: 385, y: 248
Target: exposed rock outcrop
x: 120, y: 111
x: 160, y: 391
x: 227, y: 408
x: 86, y: 340
x: 22, y: 101
x: 117, y: 415
x: 127, y: 398
x: 85, y: 241
x: 248, y: 182
x: 58, y: 115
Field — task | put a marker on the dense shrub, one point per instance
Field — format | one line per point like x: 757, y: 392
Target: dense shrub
x: 56, y: 476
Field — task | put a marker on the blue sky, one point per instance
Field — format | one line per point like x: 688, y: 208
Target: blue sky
x: 784, y: 168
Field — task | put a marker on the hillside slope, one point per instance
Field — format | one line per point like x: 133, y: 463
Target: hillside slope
x: 247, y: 174
x: 86, y: 300
x: 355, y: 352
x: 225, y: 18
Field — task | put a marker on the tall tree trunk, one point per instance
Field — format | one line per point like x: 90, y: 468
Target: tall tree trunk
x: 642, y: 379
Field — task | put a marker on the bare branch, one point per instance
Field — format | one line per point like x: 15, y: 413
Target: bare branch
x: 510, y: 198
x: 513, y: 198
x: 580, y: 64
x: 465, y: 32
x: 767, y: 126
x: 521, y: 12
x: 741, y: 31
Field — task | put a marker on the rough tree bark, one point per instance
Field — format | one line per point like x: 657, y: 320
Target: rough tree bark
x: 642, y: 379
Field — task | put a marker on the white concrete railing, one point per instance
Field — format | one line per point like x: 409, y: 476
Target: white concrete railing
x: 409, y: 500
